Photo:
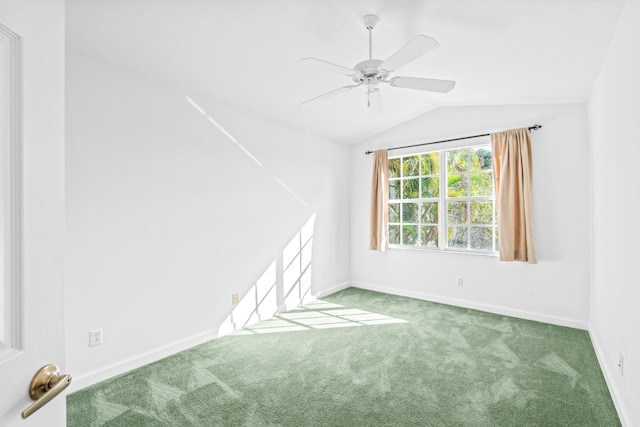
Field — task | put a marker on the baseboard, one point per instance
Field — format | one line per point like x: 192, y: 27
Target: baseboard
x: 608, y: 378
x: 93, y: 377
x: 332, y: 290
x: 521, y: 314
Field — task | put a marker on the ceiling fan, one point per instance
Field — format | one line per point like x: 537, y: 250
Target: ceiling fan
x: 371, y: 72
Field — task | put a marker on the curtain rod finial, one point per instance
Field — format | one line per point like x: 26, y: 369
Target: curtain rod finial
x: 368, y: 152
x: 535, y: 127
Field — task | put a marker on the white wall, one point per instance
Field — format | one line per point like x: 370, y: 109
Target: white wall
x: 169, y: 214
x: 554, y: 290
x: 615, y: 292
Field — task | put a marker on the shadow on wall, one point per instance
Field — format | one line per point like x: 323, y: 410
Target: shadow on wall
x: 284, y: 285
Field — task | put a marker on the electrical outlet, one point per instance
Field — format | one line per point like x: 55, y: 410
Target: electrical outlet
x: 459, y: 281
x: 95, y: 337
x: 621, y: 364
x: 234, y: 299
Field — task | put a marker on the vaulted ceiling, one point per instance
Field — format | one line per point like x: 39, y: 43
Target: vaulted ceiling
x: 245, y: 53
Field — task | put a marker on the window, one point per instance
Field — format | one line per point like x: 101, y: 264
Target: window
x: 443, y: 200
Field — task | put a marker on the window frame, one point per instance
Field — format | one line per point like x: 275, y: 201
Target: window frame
x: 443, y: 201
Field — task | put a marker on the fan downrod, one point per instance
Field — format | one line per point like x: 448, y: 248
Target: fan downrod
x: 369, y: 72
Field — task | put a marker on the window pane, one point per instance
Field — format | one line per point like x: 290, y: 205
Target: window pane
x: 481, y: 184
x: 457, y: 160
x: 394, y: 234
x: 457, y: 213
x: 430, y: 163
x: 409, y: 234
x: 394, y: 168
x: 411, y: 165
x: 394, y: 212
x: 481, y: 212
x: 481, y: 238
x: 497, y: 241
x: 394, y: 189
x: 429, y: 213
x: 457, y: 237
x: 430, y: 187
x: 481, y: 159
x: 410, y: 212
x: 415, y: 199
x: 457, y: 185
x: 411, y: 188
x: 429, y: 236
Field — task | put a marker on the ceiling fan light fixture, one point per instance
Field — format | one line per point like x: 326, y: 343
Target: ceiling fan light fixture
x: 371, y: 82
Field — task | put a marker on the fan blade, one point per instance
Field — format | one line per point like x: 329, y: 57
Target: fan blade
x: 432, y: 85
x: 374, y: 101
x: 409, y: 52
x: 332, y: 93
x: 330, y: 66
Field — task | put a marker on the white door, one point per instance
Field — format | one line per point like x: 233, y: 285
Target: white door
x: 31, y: 204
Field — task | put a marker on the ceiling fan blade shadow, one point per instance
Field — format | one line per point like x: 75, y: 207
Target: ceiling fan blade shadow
x: 409, y: 52
x: 420, y: 83
x: 329, y: 66
x: 331, y: 94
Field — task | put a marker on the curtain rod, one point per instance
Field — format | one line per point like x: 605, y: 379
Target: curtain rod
x: 534, y: 127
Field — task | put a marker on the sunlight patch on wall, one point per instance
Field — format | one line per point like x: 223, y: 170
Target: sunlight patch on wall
x: 258, y: 304
x: 267, y: 296
x: 290, y: 191
x: 200, y: 110
x: 223, y: 130
x: 296, y: 259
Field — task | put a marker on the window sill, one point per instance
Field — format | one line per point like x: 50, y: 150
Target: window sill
x: 443, y: 251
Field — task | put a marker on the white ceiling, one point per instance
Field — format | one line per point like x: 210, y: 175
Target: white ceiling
x: 245, y: 52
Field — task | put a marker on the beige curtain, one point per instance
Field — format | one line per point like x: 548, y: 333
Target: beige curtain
x: 379, y: 199
x: 512, y: 178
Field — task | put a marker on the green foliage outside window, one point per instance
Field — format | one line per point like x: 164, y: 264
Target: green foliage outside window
x: 415, y: 198
x: 394, y: 167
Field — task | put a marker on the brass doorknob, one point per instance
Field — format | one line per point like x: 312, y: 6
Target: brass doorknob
x: 46, y: 384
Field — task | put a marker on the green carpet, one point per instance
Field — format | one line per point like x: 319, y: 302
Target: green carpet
x: 361, y: 358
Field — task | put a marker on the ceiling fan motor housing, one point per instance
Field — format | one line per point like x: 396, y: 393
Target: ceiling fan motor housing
x: 367, y: 69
